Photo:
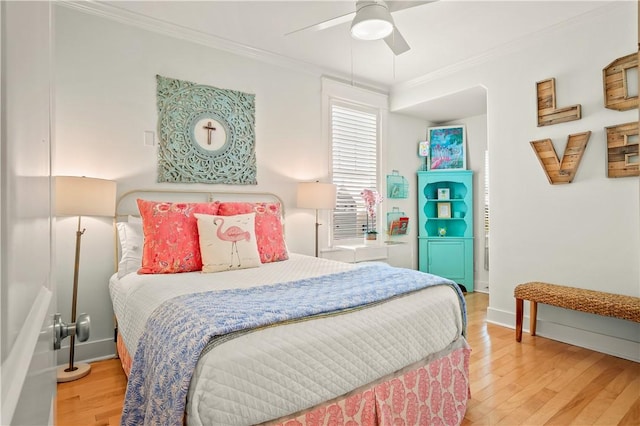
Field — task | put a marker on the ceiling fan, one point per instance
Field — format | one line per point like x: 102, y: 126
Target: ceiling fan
x: 372, y: 20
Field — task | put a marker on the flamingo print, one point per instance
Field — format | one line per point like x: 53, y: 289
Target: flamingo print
x: 232, y: 234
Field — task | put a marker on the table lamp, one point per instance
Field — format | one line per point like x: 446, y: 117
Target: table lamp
x: 318, y: 196
x: 81, y: 196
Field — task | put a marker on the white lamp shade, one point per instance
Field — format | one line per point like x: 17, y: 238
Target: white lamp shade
x: 316, y: 195
x: 83, y: 196
x: 372, y: 22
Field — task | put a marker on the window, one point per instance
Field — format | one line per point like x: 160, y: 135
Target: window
x: 354, y: 120
x: 354, y: 152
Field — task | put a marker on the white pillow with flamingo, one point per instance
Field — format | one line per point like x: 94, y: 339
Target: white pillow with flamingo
x: 228, y: 242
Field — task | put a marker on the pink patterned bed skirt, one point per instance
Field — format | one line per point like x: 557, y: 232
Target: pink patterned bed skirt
x: 123, y: 354
x: 434, y: 394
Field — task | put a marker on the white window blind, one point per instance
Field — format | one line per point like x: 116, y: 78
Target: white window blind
x: 354, y: 143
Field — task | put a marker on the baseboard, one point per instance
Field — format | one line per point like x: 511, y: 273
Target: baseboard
x: 481, y: 286
x: 610, y: 345
x: 95, y: 350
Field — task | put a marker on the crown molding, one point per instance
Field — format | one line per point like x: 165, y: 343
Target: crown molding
x: 505, y: 49
x: 126, y: 17
x: 114, y: 13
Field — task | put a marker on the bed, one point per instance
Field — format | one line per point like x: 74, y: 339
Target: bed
x: 295, y: 340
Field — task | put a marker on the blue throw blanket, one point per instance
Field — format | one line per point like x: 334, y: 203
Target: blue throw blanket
x: 179, y: 329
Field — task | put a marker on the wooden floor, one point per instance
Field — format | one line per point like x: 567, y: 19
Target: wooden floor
x: 536, y: 382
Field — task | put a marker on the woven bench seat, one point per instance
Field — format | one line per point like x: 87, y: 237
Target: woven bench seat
x: 577, y: 299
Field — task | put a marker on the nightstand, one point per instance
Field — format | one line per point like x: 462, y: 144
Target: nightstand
x: 397, y: 254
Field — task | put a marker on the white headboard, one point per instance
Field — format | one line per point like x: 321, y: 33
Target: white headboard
x: 126, y: 204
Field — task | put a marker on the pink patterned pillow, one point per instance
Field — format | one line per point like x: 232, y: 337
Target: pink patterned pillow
x: 269, y: 233
x: 171, y: 241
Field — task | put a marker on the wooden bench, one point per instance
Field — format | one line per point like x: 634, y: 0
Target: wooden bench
x: 578, y: 299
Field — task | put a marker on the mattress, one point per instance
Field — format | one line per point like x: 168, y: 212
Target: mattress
x: 276, y: 371
x: 135, y: 296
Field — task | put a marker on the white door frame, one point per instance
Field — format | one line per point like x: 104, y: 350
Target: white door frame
x: 27, y: 290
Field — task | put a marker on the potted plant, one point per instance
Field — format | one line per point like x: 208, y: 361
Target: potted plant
x: 371, y: 235
x: 371, y: 199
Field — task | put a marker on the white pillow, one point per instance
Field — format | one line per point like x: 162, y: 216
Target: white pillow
x: 131, y: 243
x: 228, y: 242
x: 134, y: 219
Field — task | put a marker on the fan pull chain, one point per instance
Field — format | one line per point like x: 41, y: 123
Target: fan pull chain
x: 393, y: 55
x: 394, y: 67
x: 351, y: 49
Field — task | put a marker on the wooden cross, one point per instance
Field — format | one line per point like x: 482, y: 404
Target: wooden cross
x: 209, y: 128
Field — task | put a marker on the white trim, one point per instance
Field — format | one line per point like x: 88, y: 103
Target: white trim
x: 126, y: 17
x: 502, y: 50
x: 94, y: 350
x: 16, y: 365
x: 481, y: 286
x: 610, y: 345
x: 114, y: 13
x: 134, y: 19
x: 338, y: 92
x: 52, y: 411
x: 334, y: 89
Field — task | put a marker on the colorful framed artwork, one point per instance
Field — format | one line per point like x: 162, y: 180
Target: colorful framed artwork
x: 447, y: 148
x: 444, y: 210
x: 423, y: 148
x: 443, y: 193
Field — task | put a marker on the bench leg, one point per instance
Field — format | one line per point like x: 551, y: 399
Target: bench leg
x: 519, y: 314
x: 533, y: 313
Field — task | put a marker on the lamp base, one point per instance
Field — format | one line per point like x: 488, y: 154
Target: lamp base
x: 79, y: 372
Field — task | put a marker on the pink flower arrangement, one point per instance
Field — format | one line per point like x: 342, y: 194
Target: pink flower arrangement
x: 371, y: 199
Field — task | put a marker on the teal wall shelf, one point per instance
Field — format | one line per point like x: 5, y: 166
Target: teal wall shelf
x: 397, y: 185
x: 397, y: 222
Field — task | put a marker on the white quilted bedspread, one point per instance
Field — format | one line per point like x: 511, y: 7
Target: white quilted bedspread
x: 276, y: 371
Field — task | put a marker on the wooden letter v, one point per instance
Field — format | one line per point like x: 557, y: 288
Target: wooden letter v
x: 561, y: 172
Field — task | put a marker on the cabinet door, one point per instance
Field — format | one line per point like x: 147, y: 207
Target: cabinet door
x: 447, y: 259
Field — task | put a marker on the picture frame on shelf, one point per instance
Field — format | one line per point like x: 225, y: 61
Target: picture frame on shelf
x: 423, y: 148
x: 443, y: 193
x: 447, y: 148
x: 444, y: 210
x: 423, y: 152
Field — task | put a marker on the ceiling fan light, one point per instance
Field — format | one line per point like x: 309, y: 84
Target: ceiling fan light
x: 372, y: 22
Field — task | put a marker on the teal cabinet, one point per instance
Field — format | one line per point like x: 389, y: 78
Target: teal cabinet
x: 445, y: 225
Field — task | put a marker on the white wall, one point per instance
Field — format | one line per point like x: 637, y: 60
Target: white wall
x: 476, y: 129
x: 402, y: 155
x: 407, y: 132
x: 105, y: 100
x: 584, y: 234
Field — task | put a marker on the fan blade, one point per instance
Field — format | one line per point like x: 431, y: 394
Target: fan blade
x: 395, y: 5
x: 396, y: 42
x: 327, y: 24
